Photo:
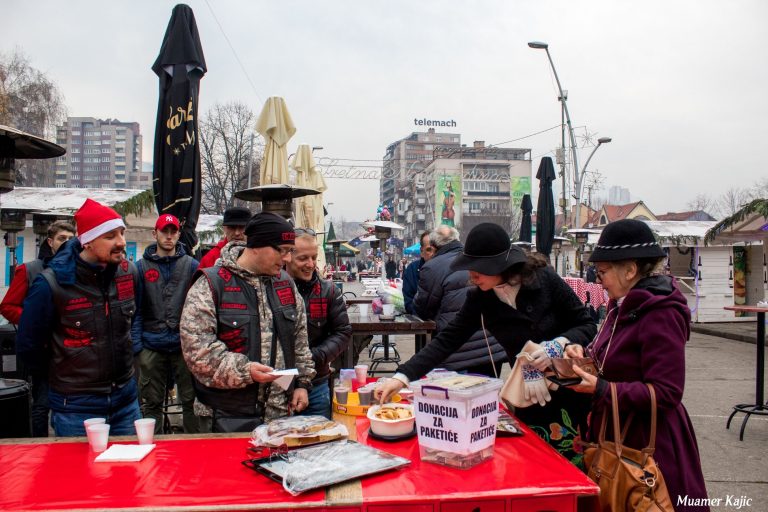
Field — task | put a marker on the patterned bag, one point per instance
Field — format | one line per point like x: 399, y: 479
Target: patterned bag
x: 629, y: 479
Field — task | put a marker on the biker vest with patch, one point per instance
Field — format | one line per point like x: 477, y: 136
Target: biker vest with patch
x: 238, y: 327
x: 91, y: 349
x: 163, y: 301
x: 33, y: 269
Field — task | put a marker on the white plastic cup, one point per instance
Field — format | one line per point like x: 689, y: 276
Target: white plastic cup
x: 145, y: 430
x: 361, y: 374
x: 389, y: 309
x: 364, y: 309
x: 98, y: 436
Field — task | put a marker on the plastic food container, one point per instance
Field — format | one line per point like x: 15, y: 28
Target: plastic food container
x: 391, y: 428
x: 456, y: 418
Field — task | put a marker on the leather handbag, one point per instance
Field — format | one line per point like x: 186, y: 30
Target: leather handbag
x: 629, y: 479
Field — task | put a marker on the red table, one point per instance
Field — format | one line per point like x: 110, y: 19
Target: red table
x: 759, y: 407
x: 524, y: 475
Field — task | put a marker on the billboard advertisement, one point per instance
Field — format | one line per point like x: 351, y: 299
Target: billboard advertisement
x: 448, y: 200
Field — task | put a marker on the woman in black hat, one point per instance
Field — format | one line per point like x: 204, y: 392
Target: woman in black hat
x: 517, y: 298
x: 643, y: 341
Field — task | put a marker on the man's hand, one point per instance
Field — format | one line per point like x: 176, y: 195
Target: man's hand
x: 260, y: 373
x: 388, y: 390
x: 300, y: 400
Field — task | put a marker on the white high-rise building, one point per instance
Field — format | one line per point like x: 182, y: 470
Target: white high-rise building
x: 100, y: 154
x: 618, y: 195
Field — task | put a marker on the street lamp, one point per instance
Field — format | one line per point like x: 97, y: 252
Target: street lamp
x: 538, y: 45
x: 579, y: 179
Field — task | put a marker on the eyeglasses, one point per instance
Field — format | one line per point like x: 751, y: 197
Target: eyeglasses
x: 305, y: 231
x: 284, y: 251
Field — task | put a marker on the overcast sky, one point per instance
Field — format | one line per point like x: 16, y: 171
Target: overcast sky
x: 679, y: 86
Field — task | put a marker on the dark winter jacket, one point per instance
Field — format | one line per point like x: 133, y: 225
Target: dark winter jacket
x: 411, y: 283
x: 441, y: 295
x: 85, y: 316
x: 166, y: 339
x: 328, y: 327
x: 546, y: 308
x: 648, y: 346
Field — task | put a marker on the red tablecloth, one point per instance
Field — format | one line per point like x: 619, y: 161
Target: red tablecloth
x: 203, y: 473
x: 597, y: 295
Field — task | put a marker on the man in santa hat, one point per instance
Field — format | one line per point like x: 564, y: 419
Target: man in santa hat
x: 77, y: 320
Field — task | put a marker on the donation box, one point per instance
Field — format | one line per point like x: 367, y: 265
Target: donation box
x: 456, y: 417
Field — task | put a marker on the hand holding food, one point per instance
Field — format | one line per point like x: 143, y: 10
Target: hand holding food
x: 387, y: 390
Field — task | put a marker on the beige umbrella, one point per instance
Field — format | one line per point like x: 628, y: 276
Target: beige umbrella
x: 309, y: 213
x: 277, y: 128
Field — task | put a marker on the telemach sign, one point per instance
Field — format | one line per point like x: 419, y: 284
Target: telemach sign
x: 434, y: 123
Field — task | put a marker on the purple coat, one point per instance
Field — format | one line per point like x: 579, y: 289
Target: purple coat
x: 652, y: 325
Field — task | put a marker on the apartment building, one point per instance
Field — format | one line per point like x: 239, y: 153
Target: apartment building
x: 100, y: 154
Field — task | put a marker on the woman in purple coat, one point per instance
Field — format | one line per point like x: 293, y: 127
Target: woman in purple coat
x: 642, y: 340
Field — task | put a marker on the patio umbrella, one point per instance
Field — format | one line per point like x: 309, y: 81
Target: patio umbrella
x: 412, y: 250
x: 525, y: 222
x: 277, y: 128
x: 309, y: 213
x: 176, y: 172
x: 545, y: 208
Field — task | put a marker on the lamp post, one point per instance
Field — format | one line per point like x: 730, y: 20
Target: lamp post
x: 538, y: 45
x: 579, y: 179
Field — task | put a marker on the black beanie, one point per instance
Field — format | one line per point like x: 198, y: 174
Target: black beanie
x: 267, y: 229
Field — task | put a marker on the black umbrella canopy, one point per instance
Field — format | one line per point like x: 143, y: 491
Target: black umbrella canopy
x: 525, y: 223
x: 545, y: 208
x: 176, y: 175
x: 17, y: 144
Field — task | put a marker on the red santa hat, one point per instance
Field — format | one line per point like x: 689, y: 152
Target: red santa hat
x: 94, y: 219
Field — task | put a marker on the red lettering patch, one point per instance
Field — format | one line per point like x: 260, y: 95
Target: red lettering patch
x: 233, y: 305
x: 76, y: 338
x: 78, y: 303
x: 316, y: 289
x: 235, y: 289
x: 281, y: 284
x: 225, y: 274
x: 152, y: 275
x: 318, y: 308
x: 234, y: 340
x: 124, y: 265
x: 72, y: 343
x: 286, y: 296
x: 124, y: 287
x: 288, y: 236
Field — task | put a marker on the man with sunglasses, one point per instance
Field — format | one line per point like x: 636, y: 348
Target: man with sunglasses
x: 327, y: 321
x: 242, y: 318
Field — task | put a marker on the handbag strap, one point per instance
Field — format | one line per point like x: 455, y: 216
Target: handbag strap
x: 619, y: 440
x: 488, y: 344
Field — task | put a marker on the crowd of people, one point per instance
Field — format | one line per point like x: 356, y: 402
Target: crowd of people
x: 101, y: 336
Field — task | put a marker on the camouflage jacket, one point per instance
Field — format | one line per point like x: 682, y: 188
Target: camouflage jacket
x: 213, y: 364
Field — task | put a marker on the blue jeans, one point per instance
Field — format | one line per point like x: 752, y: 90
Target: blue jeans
x: 70, y: 424
x: 319, y: 401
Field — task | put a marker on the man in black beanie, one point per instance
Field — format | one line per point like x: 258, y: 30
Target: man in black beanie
x: 231, y: 342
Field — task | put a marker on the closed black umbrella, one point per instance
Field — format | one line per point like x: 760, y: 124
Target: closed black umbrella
x: 176, y: 173
x: 545, y: 208
x: 525, y: 223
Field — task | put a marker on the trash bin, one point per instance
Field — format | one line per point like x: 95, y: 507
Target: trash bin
x: 15, y: 409
x: 9, y: 364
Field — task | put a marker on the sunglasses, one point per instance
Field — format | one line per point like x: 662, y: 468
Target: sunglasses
x: 305, y: 231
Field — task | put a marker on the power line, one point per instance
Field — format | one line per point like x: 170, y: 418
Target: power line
x: 525, y: 137
x: 237, y: 58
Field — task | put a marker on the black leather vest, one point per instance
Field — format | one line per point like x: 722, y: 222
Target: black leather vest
x: 163, y: 301
x: 91, y: 350
x: 238, y: 327
x: 33, y: 269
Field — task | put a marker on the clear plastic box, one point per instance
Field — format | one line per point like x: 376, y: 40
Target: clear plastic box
x: 456, y: 425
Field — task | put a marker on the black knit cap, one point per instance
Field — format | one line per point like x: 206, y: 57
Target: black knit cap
x: 488, y: 251
x: 626, y: 239
x: 268, y: 229
x: 236, y: 216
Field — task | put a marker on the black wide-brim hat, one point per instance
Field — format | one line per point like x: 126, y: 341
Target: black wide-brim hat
x: 626, y: 239
x: 488, y: 251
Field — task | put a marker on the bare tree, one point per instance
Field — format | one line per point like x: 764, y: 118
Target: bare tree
x: 31, y: 102
x: 702, y: 202
x: 225, y: 144
x: 731, y: 201
x: 759, y: 190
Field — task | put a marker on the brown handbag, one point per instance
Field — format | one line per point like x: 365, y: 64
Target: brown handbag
x: 629, y: 479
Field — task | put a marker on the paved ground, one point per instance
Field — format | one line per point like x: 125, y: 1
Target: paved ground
x: 720, y: 372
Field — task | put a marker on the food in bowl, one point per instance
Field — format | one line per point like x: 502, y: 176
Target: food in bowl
x: 392, y: 420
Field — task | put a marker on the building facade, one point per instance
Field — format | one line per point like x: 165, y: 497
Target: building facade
x: 100, y: 154
x: 402, y: 186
